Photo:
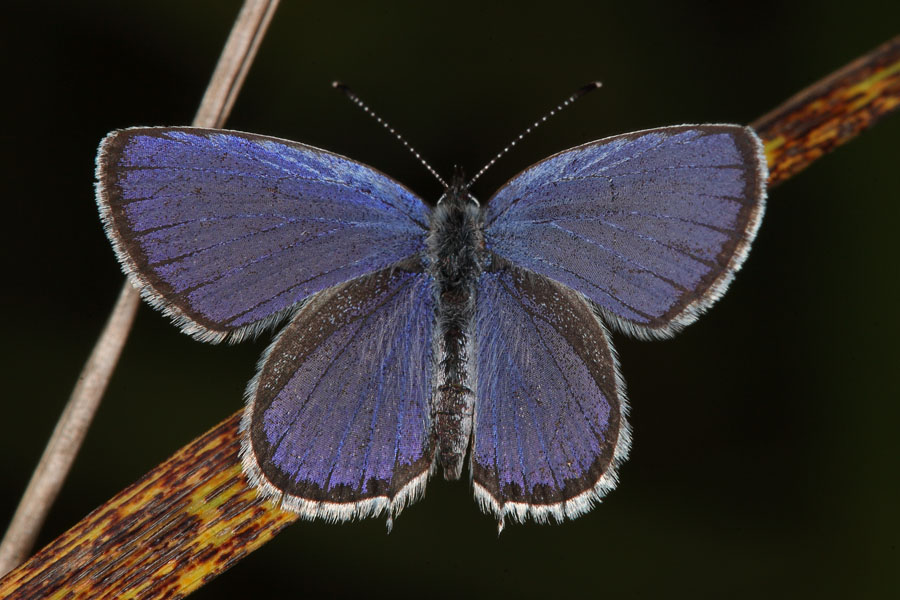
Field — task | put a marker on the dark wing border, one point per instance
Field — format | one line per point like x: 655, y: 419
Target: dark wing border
x: 152, y: 288
x: 752, y: 149
x: 321, y: 508
x: 593, y: 493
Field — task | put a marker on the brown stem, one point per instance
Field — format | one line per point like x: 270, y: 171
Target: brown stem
x: 194, y: 516
x: 831, y: 112
x: 58, y: 456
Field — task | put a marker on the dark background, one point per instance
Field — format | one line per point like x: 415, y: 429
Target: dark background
x: 765, y: 457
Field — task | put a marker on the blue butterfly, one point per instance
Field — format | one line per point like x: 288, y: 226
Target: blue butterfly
x: 418, y: 337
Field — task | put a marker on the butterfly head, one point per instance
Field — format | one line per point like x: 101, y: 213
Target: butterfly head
x: 457, y: 194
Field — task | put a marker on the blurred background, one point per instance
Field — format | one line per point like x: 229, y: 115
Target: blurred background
x: 766, y: 456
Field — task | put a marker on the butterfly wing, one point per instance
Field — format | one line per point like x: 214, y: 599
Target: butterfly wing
x: 337, y: 421
x: 227, y: 231
x: 550, y: 425
x: 649, y: 226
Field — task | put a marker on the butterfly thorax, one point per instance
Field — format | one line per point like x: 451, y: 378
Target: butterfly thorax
x: 455, y: 258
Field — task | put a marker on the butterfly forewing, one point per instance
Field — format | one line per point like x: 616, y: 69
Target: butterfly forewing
x: 337, y: 422
x: 225, y: 230
x: 550, y: 424
x: 650, y: 226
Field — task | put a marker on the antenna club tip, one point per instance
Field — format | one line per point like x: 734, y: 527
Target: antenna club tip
x: 588, y: 88
x: 340, y: 86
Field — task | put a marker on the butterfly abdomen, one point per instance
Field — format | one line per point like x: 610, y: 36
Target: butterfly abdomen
x: 455, y: 244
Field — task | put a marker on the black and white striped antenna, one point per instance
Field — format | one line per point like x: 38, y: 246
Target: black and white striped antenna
x: 356, y: 100
x: 585, y: 89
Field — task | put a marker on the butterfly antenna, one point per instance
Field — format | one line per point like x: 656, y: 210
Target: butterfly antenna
x: 356, y: 100
x: 578, y: 94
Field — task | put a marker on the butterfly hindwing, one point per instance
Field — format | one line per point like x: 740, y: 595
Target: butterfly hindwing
x: 550, y: 409
x: 226, y: 231
x: 337, y: 421
x: 650, y: 226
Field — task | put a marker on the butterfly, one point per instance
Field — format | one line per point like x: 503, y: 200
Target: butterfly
x: 418, y: 338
